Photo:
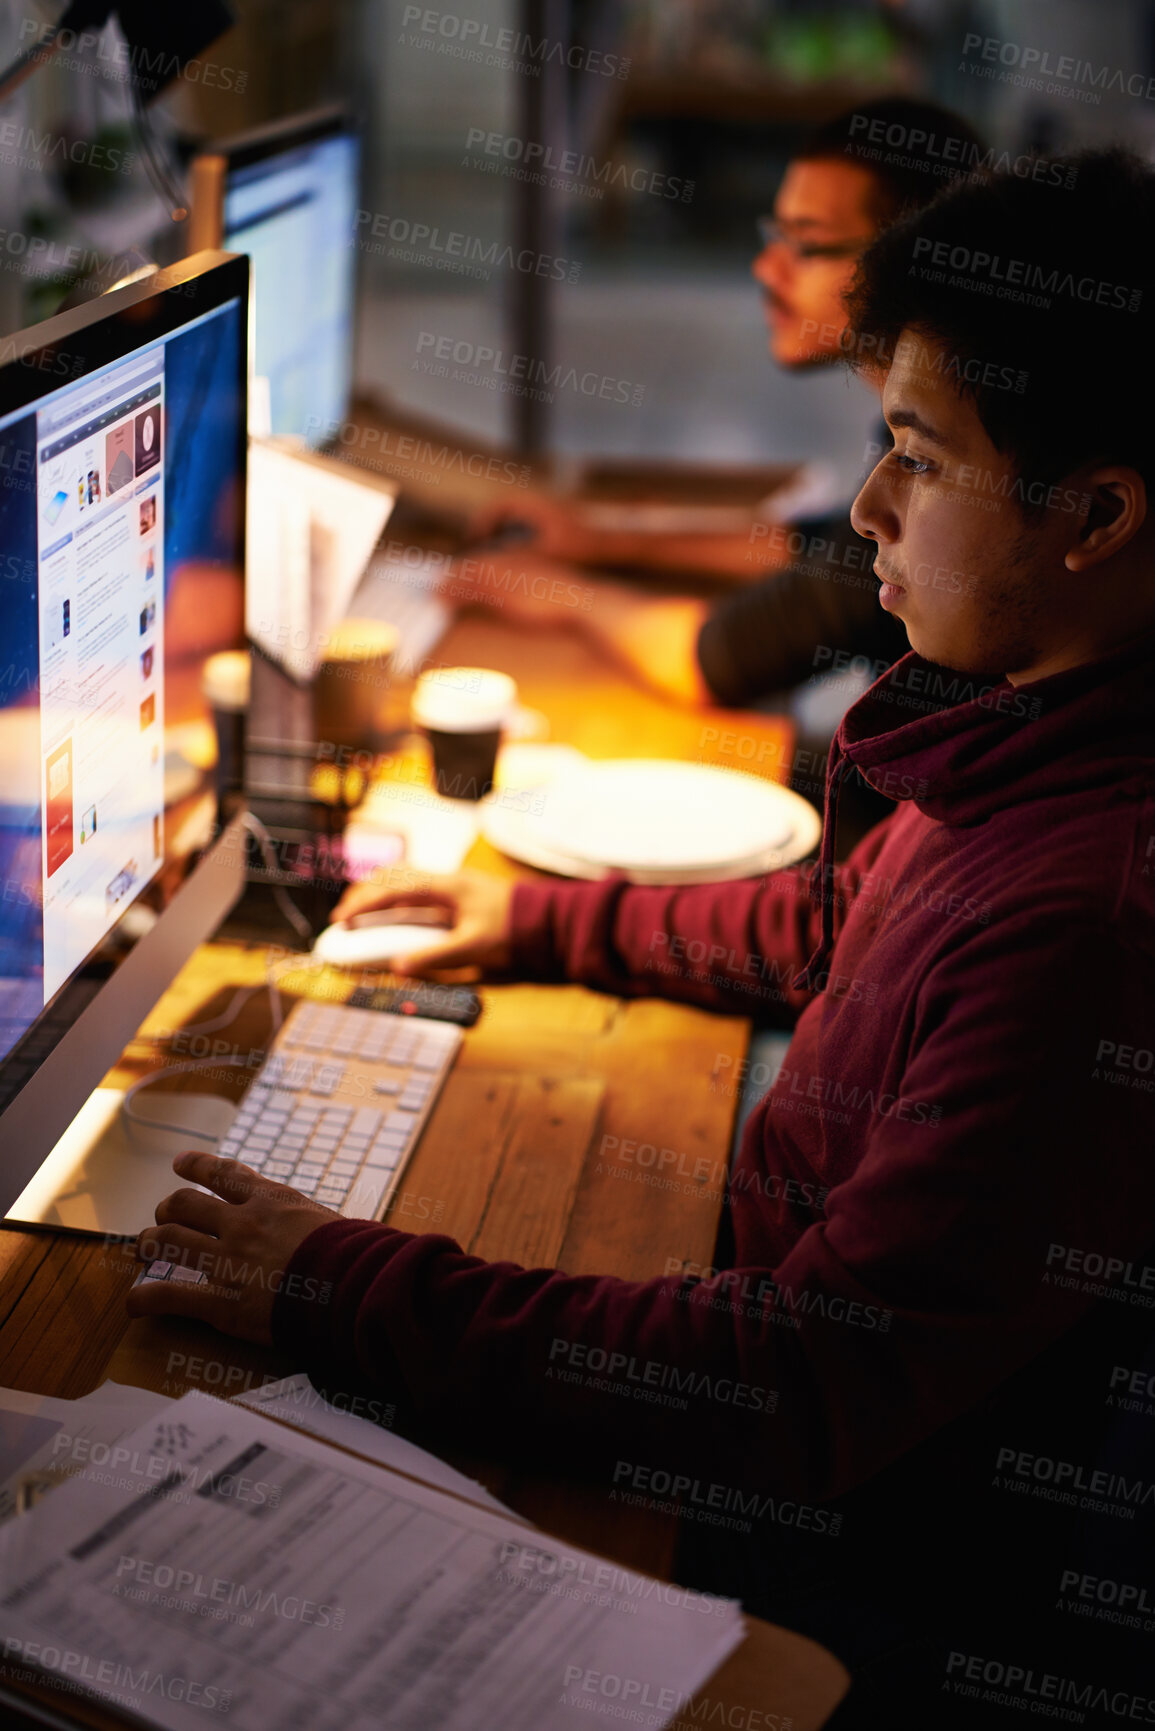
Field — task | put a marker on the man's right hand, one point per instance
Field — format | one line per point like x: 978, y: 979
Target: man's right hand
x: 479, y: 930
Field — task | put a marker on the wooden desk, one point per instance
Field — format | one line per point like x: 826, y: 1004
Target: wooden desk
x: 510, y: 1165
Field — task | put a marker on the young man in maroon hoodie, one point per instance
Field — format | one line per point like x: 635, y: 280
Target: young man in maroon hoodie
x: 918, y: 1368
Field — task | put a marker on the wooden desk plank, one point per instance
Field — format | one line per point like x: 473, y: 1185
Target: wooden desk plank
x: 551, y: 1128
x: 68, y: 1317
x: 21, y: 1254
x: 776, y: 1678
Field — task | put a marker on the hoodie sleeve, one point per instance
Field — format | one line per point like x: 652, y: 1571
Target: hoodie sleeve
x: 927, y: 1285
x: 733, y: 946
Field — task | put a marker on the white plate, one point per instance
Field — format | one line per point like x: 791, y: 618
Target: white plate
x: 519, y: 833
x: 661, y: 815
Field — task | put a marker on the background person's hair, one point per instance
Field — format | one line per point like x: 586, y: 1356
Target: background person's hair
x: 912, y: 148
x: 1050, y: 273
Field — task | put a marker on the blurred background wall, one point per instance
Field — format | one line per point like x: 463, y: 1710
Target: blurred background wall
x: 679, y: 116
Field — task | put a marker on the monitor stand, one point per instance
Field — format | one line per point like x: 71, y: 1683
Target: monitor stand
x: 105, y: 1175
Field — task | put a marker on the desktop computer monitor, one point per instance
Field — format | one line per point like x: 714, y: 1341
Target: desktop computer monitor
x: 287, y: 196
x: 122, y: 529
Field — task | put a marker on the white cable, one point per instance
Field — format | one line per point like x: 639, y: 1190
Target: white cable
x: 240, y: 997
x: 144, y: 1123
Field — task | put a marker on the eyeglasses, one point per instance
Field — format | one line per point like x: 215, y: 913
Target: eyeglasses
x: 771, y: 233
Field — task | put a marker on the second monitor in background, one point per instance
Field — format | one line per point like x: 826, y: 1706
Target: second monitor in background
x: 287, y: 195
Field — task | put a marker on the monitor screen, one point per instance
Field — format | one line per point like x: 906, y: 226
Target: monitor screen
x: 122, y: 508
x: 292, y: 208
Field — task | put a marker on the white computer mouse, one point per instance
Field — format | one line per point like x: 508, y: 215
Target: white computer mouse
x: 372, y: 942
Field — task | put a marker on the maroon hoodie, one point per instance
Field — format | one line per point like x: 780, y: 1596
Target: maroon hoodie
x: 952, y: 1169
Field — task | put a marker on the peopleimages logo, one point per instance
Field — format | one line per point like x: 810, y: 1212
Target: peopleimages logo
x: 1020, y: 274
x: 946, y: 153
x: 1016, y: 1685
x: 493, y: 369
x: 568, y: 170
x: 452, y: 250
x: 1032, y: 65
x: 513, y: 50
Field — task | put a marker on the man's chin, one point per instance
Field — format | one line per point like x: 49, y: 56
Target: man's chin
x: 793, y: 358
x: 949, y: 656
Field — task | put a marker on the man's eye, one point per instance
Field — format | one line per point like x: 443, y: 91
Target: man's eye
x: 911, y: 465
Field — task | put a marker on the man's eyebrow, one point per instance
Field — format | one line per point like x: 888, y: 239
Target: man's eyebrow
x: 907, y: 418
x: 804, y: 222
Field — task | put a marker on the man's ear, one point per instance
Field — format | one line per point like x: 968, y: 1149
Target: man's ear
x: 1116, y: 511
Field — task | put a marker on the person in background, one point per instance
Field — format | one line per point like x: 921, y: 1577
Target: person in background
x: 943, y: 1210
x: 853, y: 176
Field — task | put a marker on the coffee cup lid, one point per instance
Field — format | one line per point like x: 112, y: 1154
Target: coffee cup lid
x: 462, y: 699
x: 360, y: 640
x: 225, y: 679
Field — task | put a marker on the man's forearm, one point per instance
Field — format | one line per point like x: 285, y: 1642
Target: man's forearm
x: 656, y: 637
x: 733, y: 554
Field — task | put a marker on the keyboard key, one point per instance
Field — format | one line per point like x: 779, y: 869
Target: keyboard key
x: 382, y: 1159
x: 280, y: 1169
x: 344, y: 1169
x: 187, y: 1276
x: 399, y: 1121
x: 387, y: 1085
x: 229, y: 1147
x: 366, y: 1121
x: 309, y: 1170
x: 328, y: 1078
x: 305, y: 1186
x: 362, y: 1202
x: 257, y: 1145
x: 330, y: 1196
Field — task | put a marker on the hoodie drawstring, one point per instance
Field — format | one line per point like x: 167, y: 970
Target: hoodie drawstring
x: 821, y: 880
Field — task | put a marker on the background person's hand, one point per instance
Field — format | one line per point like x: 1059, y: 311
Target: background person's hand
x: 553, y: 527
x: 242, y: 1238
x: 521, y: 587
x: 479, y: 910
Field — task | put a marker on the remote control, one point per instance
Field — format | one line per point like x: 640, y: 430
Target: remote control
x: 442, y: 1003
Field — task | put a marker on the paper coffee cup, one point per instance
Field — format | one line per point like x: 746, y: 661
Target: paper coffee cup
x: 352, y: 683
x: 226, y: 684
x: 463, y: 712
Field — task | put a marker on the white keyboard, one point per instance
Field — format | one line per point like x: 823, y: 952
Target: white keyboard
x: 340, y: 1103
x: 400, y: 596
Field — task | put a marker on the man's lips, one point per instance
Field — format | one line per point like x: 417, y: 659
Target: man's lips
x: 885, y: 577
x: 890, y: 590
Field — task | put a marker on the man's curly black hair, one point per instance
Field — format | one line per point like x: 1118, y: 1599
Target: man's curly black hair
x: 1049, y: 273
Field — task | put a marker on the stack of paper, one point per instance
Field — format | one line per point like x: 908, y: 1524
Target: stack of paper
x: 226, y: 1569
